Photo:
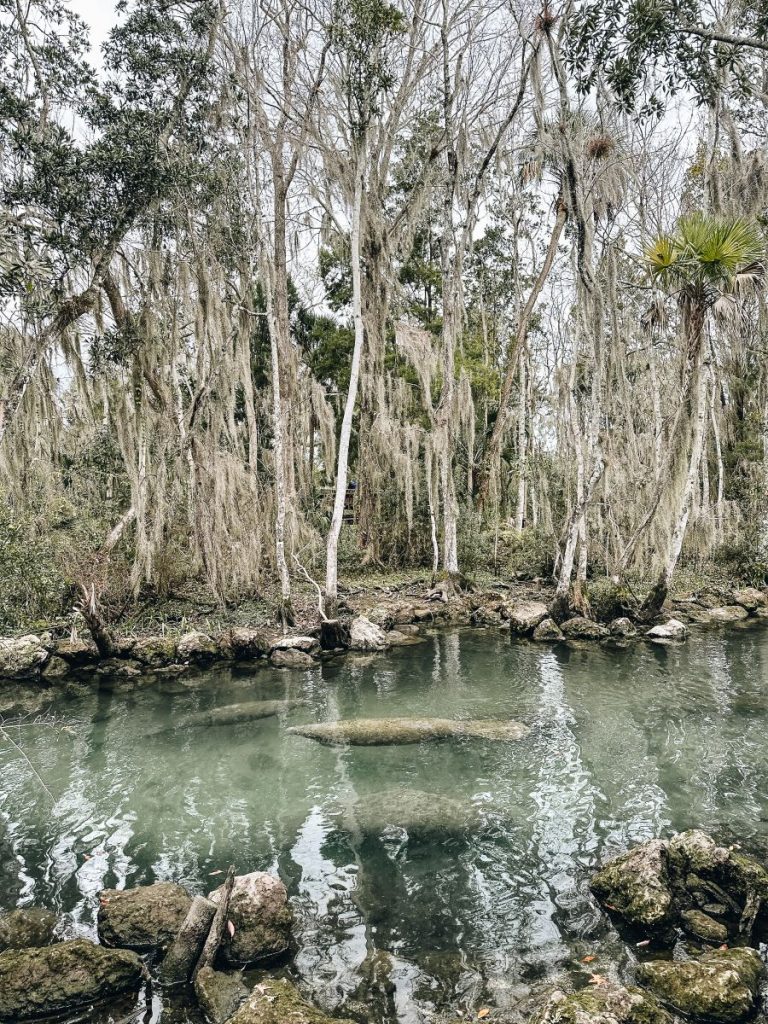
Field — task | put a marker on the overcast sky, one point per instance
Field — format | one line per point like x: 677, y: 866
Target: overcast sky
x: 100, y: 15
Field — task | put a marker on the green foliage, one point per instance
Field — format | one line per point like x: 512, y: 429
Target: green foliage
x: 743, y: 560
x: 32, y: 586
x: 529, y: 553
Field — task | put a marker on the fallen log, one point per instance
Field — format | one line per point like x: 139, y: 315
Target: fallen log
x: 186, y: 948
x: 218, y: 926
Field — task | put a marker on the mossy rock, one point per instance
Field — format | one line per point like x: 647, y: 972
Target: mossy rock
x: 637, y: 886
x: 27, y: 926
x: 721, y: 986
x: 278, y: 1002
x: 219, y: 995
x: 63, y: 977
x: 155, y: 651
x: 143, y: 919
x: 259, y: 910
x: 703, y: 927
x: 606, y: 1003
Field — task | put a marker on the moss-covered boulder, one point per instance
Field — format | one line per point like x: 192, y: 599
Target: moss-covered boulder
x: 262, y: 919
x: 291, y: 659
x: 27, y: 926
x: 278, y: 1002
x: 247, y: 643
x: 76, y: 652
x: 703, y: 927
x: 63, y: 977
x: 144, y: 919
x: 524, y: 616
x: 607, y: 1003
x: 721, y: 986
x: 155, y: 651
x: 728, y: 613
x: 548, y: 631
x: 695, y: 853
x: 376, y: 732
x: 750, y: 598
x: 219, y: 995
x: 637, y: 886
x: 198, y: 648
x: 581, y: 628
x: 21, y: 656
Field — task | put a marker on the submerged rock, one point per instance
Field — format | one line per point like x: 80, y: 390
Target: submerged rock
x: 548, y: 631
x: 144, y: 919
x: 21, y: 657
x: 673, y: 629
x: 63, y: 977
x: 291, y: 659
x: 421, y: 815
x: 637, y: 886
x: 55, y: 668
x: 231, y: 714
x: 220, y: 995
x: 720, y: 986
x: 258, y: 908
x: 607, y: 1003
x: 524, y: 616
x: 365, y: 635
x: 372, y: 732
x: 278, y: 1002
x: 27, y: 926
x: 580, y: 628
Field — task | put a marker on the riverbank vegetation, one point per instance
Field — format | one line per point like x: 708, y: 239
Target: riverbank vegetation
x: 292, y: 293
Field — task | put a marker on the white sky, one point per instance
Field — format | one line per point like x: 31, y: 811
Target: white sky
x: 100, y: 15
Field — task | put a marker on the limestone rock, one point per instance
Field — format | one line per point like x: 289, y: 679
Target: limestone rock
x: 548, y: 631
x: 55, y: 668
x: 365, y: 635
x: 305, y: 644
x: 580, y: 628
x: 155, y: 651
x: 247, y: 643
x: 721, y: 986
x: 524, y: 616
x: 197, y: 647
x: 27, y: 926
x: 673, y: 629
x: 291, y: 659
x: 21, y: 657
x: 144, y: 919
x: 396, y: 638
x: 728, y: 613
x: 605, y: 1004
x: 259, y: 910
x: 220, y: 995
x: 622, y: 628
x: 76, y: 652
x: 702, y: 926
x: 276, y: 1001
x: 372, y: 732
x: 638, y: 887
x: 750, y: 598
x: 63, y: 977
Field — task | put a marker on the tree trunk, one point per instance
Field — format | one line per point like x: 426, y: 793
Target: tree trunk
x: 332, y: 550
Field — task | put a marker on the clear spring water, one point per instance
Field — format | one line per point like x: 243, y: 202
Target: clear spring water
x: 625, y: 744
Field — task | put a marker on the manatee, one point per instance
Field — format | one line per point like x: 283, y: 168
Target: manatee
x: 419, y: 814
x: 232, y: 714
x: 377, y: 732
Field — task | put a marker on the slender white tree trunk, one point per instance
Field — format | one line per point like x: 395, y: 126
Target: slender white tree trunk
x: 522, y: 446
x: 332, y: 551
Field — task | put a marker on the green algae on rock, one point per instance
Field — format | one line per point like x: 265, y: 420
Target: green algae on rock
x: 373, y: 732
x: 63, y: 977
x: 721, y: 986
x: 144, y: 919
x: 637, y: 886
x: 279, y: 1002
x: 219, y: 995
x: 607, y: 1003
x: 27, y: 926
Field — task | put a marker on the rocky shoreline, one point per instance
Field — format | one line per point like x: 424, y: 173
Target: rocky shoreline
x: 692, y: 915
x: 376, y: 622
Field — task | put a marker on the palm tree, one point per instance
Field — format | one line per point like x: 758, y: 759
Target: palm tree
x: 710, y: 263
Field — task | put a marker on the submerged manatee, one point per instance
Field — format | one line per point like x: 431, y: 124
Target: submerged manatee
x: 232, y: 714
x: 377, y: 732
x: 421, y: 815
